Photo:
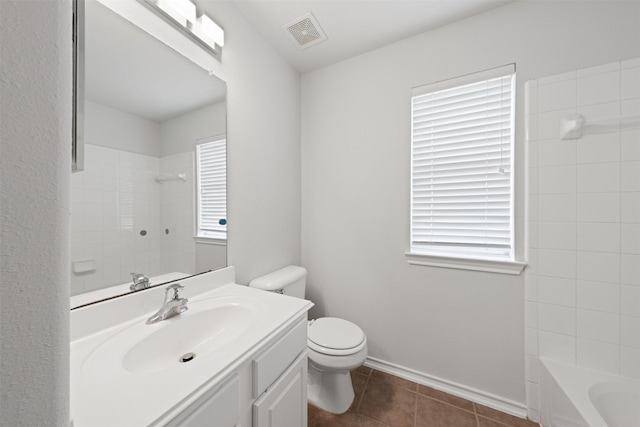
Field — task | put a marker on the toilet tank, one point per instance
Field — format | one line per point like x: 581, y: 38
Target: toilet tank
x: 290, y: 280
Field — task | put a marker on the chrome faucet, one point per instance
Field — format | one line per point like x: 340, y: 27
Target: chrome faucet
x: 140, y: 281
x: 172, y: 305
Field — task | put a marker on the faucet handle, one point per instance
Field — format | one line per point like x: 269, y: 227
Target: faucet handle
x: 175, y: 288
x: 138, y: 277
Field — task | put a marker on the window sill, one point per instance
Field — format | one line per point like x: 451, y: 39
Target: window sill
x: 487, y: 265
x: 211, y: 240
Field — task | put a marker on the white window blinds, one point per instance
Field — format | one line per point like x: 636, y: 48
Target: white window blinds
x: 211, y: 160
x: 462, y: 145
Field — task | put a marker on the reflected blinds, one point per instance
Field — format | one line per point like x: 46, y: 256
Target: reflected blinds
x: 462, y: 144
x: 211, y: 159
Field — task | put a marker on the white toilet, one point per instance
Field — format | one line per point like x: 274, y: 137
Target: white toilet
x: 335, y: 346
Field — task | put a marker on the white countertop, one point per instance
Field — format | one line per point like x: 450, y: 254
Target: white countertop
x: 110, y: 395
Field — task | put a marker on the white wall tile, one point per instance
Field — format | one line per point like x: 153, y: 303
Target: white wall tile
x: 630, y: 238
x: 533, y: 393
x: 598, y: 69
x: 599, y: 148
x: 557, y: 290
x: 599, y: 296
x: 630, y: 331
x: 598, y: 267
x: 557, y: 180
x: 531, y: 368
x: 532, y: 181
x: 630, y: 107
x: 599, y: 237
x: 598, y: 355
x: 557, y: 207
x: 630, y: 362
x: 571, y: 75
x: 532, y: 234
x: 532, y: 154
x: 557, y: 96
x: 630, y: 207
x: 599, y: 178
x: 601, y: 112
x: 532, y: 207
x: 599, y: 326
x: 600, y: 207
x: 531, y: 97
x: 599, y: 88
x: 630, y: 145
x: 531, y: 341
x: 530, y: 287
x: 630, y: 63
x: 630, y: 300
x: 630, y: 176
x: 531, y: 314
x: 557, y: 319
x: 557, y: 235
x: 557, y: 263
x: 556, y: 152
x: 549, y: 123
x: 630, y: 83
x: 630, y: 269
x: 531, y: 128
x: 557, y: 346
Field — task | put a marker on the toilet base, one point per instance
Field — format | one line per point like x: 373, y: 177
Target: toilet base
x: 330, y: 391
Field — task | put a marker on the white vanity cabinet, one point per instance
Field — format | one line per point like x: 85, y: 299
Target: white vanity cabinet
x: 268, y: 388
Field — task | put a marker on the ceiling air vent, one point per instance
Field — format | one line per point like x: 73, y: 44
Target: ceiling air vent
x: 304, y: 31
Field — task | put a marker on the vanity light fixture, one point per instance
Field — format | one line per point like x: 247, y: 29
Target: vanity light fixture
x: 181, y: 14
x: 183, y: 8
x: 211, y: 30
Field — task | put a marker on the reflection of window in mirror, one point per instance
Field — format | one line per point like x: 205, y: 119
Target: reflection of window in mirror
x: 211, y: 164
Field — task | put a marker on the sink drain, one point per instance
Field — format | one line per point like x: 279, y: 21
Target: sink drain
x: 187, y: 357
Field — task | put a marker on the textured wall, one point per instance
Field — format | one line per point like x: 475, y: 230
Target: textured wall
x: 34, y: 200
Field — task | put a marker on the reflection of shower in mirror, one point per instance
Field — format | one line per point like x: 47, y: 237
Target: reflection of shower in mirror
x: 171, y: 177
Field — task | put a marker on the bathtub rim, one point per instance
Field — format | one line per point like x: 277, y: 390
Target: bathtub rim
x: 576, y: 381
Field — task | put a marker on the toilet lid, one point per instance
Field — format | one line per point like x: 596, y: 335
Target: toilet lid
x: 334, y: 333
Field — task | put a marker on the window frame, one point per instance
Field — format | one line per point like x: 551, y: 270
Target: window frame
x: 452, y: 258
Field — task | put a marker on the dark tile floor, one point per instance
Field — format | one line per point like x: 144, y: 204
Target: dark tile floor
x: 384, y: 400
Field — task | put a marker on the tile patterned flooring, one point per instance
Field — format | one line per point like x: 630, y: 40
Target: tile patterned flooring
x: 384, y: 400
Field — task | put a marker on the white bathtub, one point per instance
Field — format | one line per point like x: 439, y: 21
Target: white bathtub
x: 572, y: 396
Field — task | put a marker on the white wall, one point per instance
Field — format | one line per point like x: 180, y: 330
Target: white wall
x: 113, y: 128
x: 460, y: 326
x: 583, y: 282
x: 263, y: 149
x: 264, y: 130
x: 35, y: 101
x: 180, y: 134
x: 178, y: 141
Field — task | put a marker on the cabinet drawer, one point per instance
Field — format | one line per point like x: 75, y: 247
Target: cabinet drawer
x: 272, y: 363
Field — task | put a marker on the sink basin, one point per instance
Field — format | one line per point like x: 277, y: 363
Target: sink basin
x: 199, y: 334
x: 187, y: 339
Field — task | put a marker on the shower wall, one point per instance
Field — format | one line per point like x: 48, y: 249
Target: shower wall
x: 582, y: 285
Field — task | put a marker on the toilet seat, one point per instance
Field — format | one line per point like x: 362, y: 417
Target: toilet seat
x: 335, y: 337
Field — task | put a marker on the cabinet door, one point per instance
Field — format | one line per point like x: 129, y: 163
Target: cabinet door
x: 217, y: 408
x: 284, y: 404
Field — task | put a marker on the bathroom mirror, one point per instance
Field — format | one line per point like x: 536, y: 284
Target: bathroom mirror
x: 133, y: 207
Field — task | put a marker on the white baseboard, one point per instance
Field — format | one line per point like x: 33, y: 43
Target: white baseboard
x: 487, y: 399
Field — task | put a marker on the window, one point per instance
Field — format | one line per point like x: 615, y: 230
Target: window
x: 211, y: 163
x: 461, y: 167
